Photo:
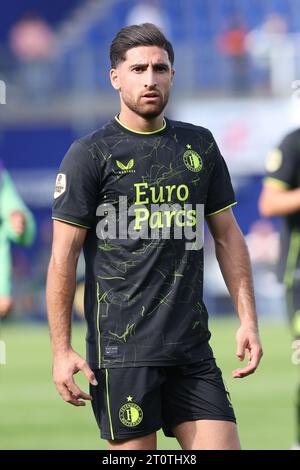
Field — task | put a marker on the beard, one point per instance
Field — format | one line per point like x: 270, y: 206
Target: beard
x: 147, y: 111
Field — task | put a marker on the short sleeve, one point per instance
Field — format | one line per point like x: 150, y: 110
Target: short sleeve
x: 220, y: 191
x: 77, y: 187
x: 282, y: 164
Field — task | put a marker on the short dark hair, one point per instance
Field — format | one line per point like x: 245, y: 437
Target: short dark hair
x: 146, y: 34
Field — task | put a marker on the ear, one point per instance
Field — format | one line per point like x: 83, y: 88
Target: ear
x: 172, y: 76
x: 114, y: 79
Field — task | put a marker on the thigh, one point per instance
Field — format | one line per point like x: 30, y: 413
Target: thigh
x: 127, y: 403
x: 148, y: 442
x: 207, y: 435
x: 195, y: 392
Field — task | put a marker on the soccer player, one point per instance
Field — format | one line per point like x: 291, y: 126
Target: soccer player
x: 149, y: 362
x: 281, y: 197
x: 16, y: 225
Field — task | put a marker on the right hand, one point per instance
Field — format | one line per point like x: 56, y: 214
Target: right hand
x: 65, y: 365
x: 247, y: 339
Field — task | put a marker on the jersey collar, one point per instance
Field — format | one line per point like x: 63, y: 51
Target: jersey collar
x: 133, y: 132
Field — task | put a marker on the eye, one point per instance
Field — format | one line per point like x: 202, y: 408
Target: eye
x: 161, y: 68
x: 138, y: 69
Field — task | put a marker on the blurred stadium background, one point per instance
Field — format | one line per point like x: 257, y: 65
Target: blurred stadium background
x: 237, y: 66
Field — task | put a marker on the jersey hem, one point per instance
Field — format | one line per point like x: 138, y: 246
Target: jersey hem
x: 121, y: 365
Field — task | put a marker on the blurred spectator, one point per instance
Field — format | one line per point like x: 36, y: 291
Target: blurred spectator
x: 33, y: 44
x: 263, y: 243
x: 16, y: 225
x: 273, y: 50
x: 232, y: 44
x: 31, y: 39
x: 148, y: 11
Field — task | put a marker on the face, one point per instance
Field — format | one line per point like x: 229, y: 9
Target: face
x: 144, y: 80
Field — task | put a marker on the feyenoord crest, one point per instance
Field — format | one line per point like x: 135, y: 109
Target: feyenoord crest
x: 192, y: 160
x: 130, y: 414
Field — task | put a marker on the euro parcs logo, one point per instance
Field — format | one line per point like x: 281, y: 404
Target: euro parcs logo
x: 2, y: 92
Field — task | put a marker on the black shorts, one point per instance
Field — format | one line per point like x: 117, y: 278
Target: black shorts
x: 134, y: 402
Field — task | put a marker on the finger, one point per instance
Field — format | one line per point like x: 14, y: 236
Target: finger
x: 89, y: 374
x: 240, y: 351
x: 255, y: 356
x: 240, y: 373
x: 67, y: 396
x: 76, y: 391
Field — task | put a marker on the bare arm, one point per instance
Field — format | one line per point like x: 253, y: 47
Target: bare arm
x: 278, y: 201
x: 61, y: 284
x: 233, y: 258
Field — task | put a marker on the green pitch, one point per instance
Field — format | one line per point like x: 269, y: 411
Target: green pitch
x: 33, y: 416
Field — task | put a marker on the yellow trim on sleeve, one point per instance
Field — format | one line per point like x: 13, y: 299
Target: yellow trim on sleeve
x: 269, y: 181
x: 70, y: 222
x: 143, y: 133
x: 108, y: 406
x: 221, y: 210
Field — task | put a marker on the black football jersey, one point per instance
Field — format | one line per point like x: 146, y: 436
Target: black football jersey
x: 140, y: 195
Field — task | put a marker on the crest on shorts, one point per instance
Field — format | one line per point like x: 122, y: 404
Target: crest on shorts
x: 60, y: 185
x: 130, y: 414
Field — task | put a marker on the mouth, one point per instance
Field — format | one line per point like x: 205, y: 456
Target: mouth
x: 151, y: 96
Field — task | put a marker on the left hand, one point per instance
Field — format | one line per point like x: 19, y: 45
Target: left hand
x: 18, y: 222
x: 247, y: 338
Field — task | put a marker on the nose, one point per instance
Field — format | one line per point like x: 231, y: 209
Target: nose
x: 150, y: 79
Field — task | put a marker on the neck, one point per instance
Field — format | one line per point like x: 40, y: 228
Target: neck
x: 140, y: 124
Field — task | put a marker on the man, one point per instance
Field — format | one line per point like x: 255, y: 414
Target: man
x: 149, y: 362
x: 16, y: 225
x: 281, y: 197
